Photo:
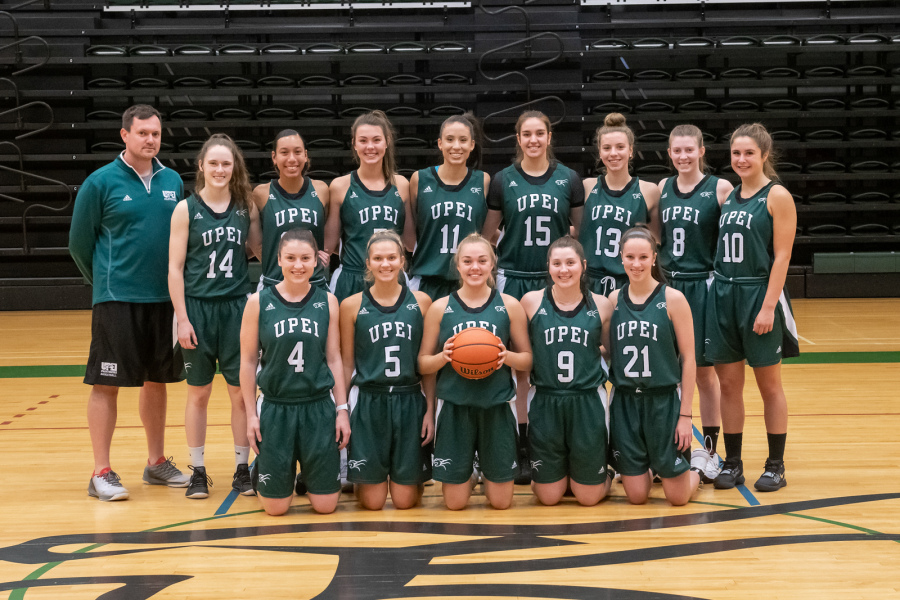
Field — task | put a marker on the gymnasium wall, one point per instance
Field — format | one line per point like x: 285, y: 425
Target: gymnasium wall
x: 823, y: 76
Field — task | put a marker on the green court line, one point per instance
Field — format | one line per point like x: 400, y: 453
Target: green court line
x: 807, y: 358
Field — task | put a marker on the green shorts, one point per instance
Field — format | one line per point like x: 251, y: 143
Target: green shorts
x: 732, y: 310
x: 433, y: 285
x: 346, y: 282
x: 642, y: 433
x: 567, y: 436
x: 517, y: 283
x: 696, y: 291
x: 461, y: 430
x: 217, y: 324
x: 604, y: 283
x: 302, y: 431
x: 386, y: 440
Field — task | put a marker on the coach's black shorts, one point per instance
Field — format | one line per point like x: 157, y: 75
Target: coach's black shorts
x: 132, y: 343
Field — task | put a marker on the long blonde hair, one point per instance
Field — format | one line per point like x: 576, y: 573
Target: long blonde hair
x: 386, y: 235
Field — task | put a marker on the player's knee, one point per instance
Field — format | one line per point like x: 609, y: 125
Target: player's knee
x: 324, y: 505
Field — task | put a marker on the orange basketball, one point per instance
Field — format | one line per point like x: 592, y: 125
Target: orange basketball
x: 475, y: 353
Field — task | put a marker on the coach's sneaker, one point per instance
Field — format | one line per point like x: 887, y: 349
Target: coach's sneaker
x: 198, y: 487
x: 732, y: 474
x: 773, y: 478
x: 107, y: 486
x: 241, y: 482
x: 165, y: 473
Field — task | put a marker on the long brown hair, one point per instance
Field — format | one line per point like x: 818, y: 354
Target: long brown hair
x: 759, y: 134
x: 691, y: 131
x: 568, y: 241
x: 476, y: 238
x: 643, y: 233
x: 612, y: 123
x: 377, y: 118
x: 239, y: 186
x: 533, y: 114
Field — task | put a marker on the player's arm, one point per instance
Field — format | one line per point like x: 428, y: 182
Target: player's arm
x: 333, y: 357
x: 784, y: 227
x: 178, y: 241
x: 604, y: 311
x: 85, y: 228
x: 259, y: 197
x: 254, y: 236
x: 576, y: 203
x: 408, y: 236
x: 490, y: 229
x: 249, y: 362
x: 607, y: 333
x: 322, y: 193
x: 413, y: 200
x: 651, y: 195
x: 723, y: 189
x: 336, y: 192
x: 349, y: 310
x: 428, y: 381
x: 431, y: 358
x: 680, y: 314
x: 520, y: 357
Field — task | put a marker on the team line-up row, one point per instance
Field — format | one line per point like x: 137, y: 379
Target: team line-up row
x: 723, y: 252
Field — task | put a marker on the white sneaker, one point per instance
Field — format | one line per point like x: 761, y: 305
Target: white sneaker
x: 700, y: 462
x: 713, y: 468
x: 107, y: 487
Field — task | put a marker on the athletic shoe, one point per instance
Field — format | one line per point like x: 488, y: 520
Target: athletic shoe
x: 523, y: 476
x: 699, y: 462
x: 254, y: 476
x: 107, y: 487
x: 299, y: 485
x: 773, y: 478
x: 713, y: 465
x: 654, y: 477
x: 476, y: 470
x: 732, y: 474
x: 165, y: 473
x: 198, y: 487
x: 241, y: 481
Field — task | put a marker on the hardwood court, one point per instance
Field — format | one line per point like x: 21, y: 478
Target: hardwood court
x: 833, y: 532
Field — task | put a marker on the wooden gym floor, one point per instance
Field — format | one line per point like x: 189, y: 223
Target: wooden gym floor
x: 833, y: 532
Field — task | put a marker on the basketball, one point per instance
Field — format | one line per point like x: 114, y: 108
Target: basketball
x: 475, y: 353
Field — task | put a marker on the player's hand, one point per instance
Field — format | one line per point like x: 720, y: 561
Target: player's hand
x: 186, y: 336
x: 427, y: 428
x: 683, y: 431
x: 447, y: 351
x: 324, y: 257
x: 342, y: 429
x: 501, y: 358
x: 253, y: 433
x: 764, y: 322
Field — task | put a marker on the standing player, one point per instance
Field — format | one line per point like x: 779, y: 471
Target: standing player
x: 749, y: 314
x: 291, y: 331
x: 689, y: 207
x: 448, y: 203
x: 615, y: 202
x: 209, y: 285
x: 536, y: 199
x: 393, y: 424
x: 371, y: 198
x: 119, y: 240
x: 650, y: 333
x: 475, y: 415
x: 567, y: 418
x: 292, y: 200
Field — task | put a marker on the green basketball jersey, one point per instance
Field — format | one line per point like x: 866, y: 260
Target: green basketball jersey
x: 293, y: 337
x: 387, y: 341
x: 216, y: 262
x: 496, y: 388
x: 566, y: 346
x: 690, y: 222
x: 745, y: 236
x: 608, y: 214
x: 445, y: 214
x: 284, y: 211
x: 643, y: 350
x: 363, y: 213
x: 535, y: 214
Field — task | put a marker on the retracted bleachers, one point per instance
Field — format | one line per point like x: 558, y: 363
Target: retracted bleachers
x: 823, y: 77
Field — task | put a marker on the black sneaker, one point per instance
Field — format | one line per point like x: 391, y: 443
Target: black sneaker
x: 254, y: 476
x: 773, y: 478
x: 241, y: 482
x: 299, y: 485
x: 732, y: 474
x: 523, y: 476
x: 198, y: 486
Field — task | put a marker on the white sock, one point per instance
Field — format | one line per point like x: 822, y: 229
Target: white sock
x: 196, y: 455
x: 241, y: 455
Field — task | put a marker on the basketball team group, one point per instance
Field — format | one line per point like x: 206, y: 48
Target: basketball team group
x: 470, y: 330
